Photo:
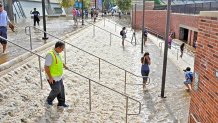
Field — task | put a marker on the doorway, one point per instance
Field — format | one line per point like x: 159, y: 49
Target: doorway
x: 183, y: 35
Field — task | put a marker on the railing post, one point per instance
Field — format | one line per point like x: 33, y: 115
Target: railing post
x: 40, y: 71
x: 177, y: 54
x: 30, y: 38
x: 99, y: 68
x: 126, y: 109
x: 90, y: 96
x: 104, y: 21
x: 93, y: 30
x: 125, y: 83
x: 160, y: 48
x: 110, y: 38
x: 65, y: 53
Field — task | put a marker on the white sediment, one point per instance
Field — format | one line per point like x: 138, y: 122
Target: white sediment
x: 22, y: 100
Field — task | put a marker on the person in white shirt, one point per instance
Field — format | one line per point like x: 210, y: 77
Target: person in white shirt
x: 4, y: 21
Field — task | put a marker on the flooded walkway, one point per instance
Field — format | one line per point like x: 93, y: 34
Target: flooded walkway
x: 22, y: 99
x: 58, y: 26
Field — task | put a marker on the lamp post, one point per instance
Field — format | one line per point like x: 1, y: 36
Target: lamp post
x: 95, y: 4
x: 82, y: 13
x: 165, y: 49
x: 44, y: 21
x: 102, y: 6
x: 143, y: 20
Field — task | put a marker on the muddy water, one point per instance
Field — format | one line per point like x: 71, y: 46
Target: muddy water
x: 55, y: 26
x: 21, y: 88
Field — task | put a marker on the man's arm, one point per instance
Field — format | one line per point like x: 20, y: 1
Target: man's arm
x: 48, y: 62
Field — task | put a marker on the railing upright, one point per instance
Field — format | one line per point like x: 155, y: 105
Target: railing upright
x: 90, y: 96
x: 40, y: 71
x: 99, y: 72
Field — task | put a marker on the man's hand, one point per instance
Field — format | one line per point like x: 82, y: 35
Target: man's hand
x: 66, y: 67
x: 51, y: 81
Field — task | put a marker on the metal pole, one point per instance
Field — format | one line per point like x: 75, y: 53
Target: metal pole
x: 95, y: 4
x: 82, y: 13
x: 110, y: 38
x: 135, y: 16
x: 93, y: 30
x: 65, y: 54
x: 125, y: 83
x: 177, y: 54
x: 40, y: 71
x: 31, y: 47
x: 44, y: 21
x: 165, y: 49
x: 126, y: 109
x: 90, y: 96
x: 143, y: 20
x: 132, y: 17
x: 99, y: 68
x: 102, y: 8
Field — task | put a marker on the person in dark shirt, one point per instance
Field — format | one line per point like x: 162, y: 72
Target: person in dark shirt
x: 182, y: 49
x: 35, y: 16
x: 145, y: 34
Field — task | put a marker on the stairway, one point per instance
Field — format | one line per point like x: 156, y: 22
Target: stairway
x: 18, y: 9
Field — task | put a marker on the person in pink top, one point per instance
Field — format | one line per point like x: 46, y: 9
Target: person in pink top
x: 74, y: 12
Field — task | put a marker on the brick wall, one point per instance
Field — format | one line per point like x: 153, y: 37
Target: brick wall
x: 156, y: 20
x: 183, y: 19
x: 204, y: 101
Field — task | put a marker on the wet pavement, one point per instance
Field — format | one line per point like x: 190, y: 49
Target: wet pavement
x: 27, y: 104
x: 56, y: 26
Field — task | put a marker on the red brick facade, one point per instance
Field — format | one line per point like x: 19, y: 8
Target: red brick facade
x: 156, y: 20
x: 204, y: 101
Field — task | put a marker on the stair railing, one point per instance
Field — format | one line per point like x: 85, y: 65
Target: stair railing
x: 90, y: 80
x: 99, y: 59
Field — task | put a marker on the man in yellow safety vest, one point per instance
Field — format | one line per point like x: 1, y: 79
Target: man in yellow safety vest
x: 54, y: 72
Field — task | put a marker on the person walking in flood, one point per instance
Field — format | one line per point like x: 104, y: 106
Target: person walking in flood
x: 169, y: 41
x: 182, y: 49
x: 188, y: 78
x: 146, y: 61
x: 35, y: 16
x: 54, y: 73
x: 123, y: 34
x: 4, y: 21
x: 145, y: 34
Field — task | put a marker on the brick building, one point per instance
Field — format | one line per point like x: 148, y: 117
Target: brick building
x: 204, y: 28
x: 184, y: 25
x: 204, y: 98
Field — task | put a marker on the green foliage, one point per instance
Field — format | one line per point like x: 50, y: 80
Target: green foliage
x: 86, y: 4
x: 124, y: 5
x: 66, y: 3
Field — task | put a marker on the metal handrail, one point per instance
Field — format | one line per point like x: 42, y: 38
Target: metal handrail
x: 90, y: 80
x: 106, y: 31
x: 196, y: 121
x: 100, y: 59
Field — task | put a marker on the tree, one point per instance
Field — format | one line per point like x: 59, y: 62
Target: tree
x: 124, y: 5
x: 66, y: 3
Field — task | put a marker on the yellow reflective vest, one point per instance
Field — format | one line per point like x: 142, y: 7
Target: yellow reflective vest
x: 56, y: 68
